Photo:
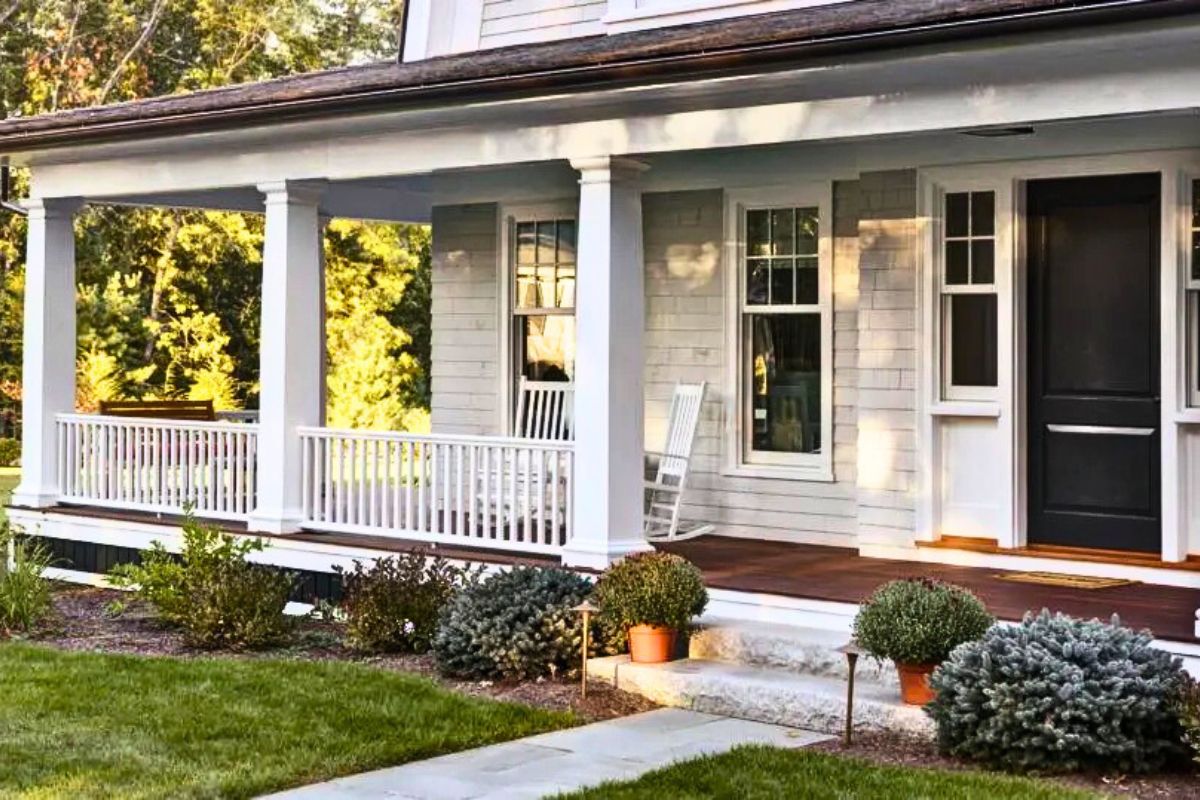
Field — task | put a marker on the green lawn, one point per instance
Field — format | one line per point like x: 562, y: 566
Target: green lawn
x: 90, y: 725
x: 764, y: 773
x: 9, y: 477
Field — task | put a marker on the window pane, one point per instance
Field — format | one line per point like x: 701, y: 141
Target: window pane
x: 758, y: 233
x: 783, y: 231
x: 1196, y: 204
x: 957, y: 214
x: 546, y: 239
x: 806, y: 281
x: 807, y: 231
x: 782, y: 282
x: 526, y: 288
x: 757, y: 276
x: 566, y: 287
x: 956, y: 262
x: 785, y: 382
x: 1196, y: 255
x: 983, y: 261
x: 547, y: 347
x: 983, y: 213
x: 566, y: 241
x: 526, y: 251
x: 972, y: 320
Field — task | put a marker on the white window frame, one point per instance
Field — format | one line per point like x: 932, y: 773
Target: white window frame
x: 506, y: 271
x: 1191, y: 294
x: 739, y: 459
x: 1002, y: 254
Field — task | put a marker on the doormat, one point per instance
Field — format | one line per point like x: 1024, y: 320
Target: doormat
x: 1066, y: 581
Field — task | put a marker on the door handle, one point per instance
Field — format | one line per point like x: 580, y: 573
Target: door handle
x: 1101, y: 430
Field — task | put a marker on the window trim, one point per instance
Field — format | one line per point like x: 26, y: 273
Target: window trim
x: 736, y: 441
x: 1002, y: 264
x: 1190, y: 290
x: 509, y: 215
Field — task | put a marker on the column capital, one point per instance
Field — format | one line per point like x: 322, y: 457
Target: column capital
x: 306, y: 192
x: 53, y: 207
x: 608, y: 169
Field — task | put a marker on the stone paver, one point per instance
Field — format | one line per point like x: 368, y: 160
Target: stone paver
x: 560, y: 761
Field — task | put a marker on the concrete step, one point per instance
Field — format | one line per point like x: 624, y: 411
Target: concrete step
x: 806, y: 651
x: 763, y: 694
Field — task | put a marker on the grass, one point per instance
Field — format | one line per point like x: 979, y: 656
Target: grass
x: 766, y: 773
x: 84, y: 725
x: 9, y: 478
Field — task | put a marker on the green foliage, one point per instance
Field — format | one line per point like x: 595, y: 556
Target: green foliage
x: 24, y: 593
x: 10, y: 452
x: 516, y: 624
x: 919, y: 621
x: 651, y: 589
x: 211, y: 591
x: 85, y: 726
x: 1187, y: 708
x: 394, y: 604
x: 1057, y: 694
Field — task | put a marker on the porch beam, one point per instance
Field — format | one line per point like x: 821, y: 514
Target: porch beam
x: 291, y: 348
x: 609, y: 322
x: 48, y: 369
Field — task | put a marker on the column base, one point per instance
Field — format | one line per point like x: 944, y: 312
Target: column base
x: 277, y: 524
x: 600, y: 555
x: 34, y: 497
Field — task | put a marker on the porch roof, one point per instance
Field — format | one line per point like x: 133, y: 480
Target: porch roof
x: 702, y: 49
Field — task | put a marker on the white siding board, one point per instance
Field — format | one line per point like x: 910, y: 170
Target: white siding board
x: 508, y: 22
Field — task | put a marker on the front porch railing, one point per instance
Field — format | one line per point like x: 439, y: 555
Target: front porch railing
x: 508, y: 494
x: 158, y: 465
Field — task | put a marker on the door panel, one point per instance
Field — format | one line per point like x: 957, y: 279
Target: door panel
x: 1093, y: 382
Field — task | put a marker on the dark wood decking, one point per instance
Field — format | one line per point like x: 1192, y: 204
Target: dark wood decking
x: 822, y: 573
x: 830, y: 573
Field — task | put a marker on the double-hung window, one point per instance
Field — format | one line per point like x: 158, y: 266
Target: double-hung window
x: 1193, y: 299
x: 543, y: 307
x: 968, y: 303
x: 784, y: 326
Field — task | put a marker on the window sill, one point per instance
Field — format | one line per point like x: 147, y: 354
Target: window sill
x: 1188, y: 416
x: 965, y: 409
x: 780, y: 473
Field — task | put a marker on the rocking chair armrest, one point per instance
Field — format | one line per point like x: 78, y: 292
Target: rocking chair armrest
x: 653, y: 454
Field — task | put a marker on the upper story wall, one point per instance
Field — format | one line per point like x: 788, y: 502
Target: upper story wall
x: 441, y: 27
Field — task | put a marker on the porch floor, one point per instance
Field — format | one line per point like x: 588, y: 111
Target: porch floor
x: 816, y: 572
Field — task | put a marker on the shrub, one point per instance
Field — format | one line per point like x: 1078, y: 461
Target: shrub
x: 211, y: 591
x: 653, y: 588
x: 919, y: 621
x: 1187, y: 708
x: 516, y: 624
x: 10, y: 452
x: 24, y: 593
x: 394, y: 604
x: 1059, y: 694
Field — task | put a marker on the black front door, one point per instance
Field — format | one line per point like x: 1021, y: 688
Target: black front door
x: 1093, y: 362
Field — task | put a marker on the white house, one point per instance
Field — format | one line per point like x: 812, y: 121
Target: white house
x: 933, y: 258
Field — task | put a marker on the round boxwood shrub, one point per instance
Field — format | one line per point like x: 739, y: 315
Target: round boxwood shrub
x: 651, y: 588
x: 919, y: 621
x: 516, y: 624
x: 1057, y: 694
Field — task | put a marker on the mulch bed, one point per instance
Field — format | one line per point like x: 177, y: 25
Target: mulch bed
x: 83, y: 620
x: 908, y: 752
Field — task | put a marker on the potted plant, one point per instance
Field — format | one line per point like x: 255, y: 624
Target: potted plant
x: 916, y: 623
x: 650, y: 597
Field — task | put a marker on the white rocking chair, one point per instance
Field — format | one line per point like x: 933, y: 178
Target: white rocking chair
x: 664, y: 494
x: 545, y: 411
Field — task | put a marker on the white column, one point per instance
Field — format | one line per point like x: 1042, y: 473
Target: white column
x: 291, y: 348
x: 48, y: 371
x: 609, y: 323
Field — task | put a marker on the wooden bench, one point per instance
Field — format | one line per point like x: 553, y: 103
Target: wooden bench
x: 196, y: 410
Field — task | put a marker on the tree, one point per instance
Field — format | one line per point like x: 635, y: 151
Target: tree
x: 169, y: 300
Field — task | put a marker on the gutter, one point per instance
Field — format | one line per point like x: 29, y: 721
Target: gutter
x: 580, y: 77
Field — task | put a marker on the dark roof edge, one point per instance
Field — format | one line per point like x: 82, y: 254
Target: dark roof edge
x: 701, y: 49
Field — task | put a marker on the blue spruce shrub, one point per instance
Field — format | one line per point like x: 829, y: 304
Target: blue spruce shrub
x: 1057, y: 694
x: 516, y: 624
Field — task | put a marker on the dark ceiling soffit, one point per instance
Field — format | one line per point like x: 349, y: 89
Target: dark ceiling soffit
x: 580, y: 77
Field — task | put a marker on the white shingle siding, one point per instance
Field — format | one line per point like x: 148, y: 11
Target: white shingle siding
x: 887, y: 358
x: 508, y: 22
x: 465, y: 339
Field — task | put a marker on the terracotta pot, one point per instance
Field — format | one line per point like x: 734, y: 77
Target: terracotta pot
x: 651, y: 644
x: 914, y: 683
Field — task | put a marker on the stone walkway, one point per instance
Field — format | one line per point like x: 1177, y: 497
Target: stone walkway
x: 561, y: 761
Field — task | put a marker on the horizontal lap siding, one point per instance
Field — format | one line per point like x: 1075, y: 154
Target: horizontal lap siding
x: 686, y: 341
x: 465, y: 338
x: 507, y: 22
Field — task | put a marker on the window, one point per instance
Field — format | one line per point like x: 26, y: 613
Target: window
x: 968, y: 296
x: 785, y: 325
x: 544, y: 299
x: 1193, y: 300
